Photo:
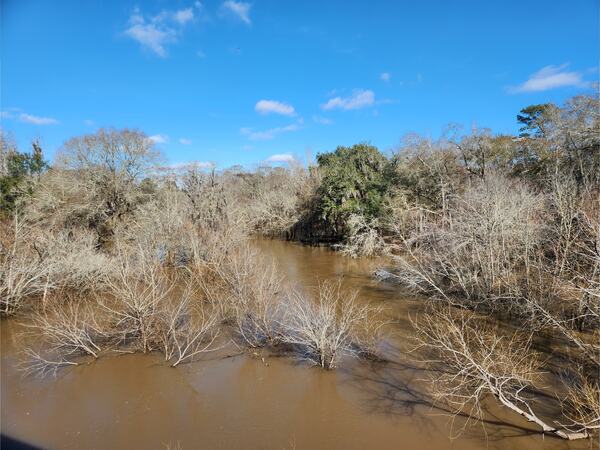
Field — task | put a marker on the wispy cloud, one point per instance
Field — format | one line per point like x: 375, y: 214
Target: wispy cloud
x: 385, y: 76
x: 155, y: 33
x: 159, y: 138
x: 202, y: 164
x: 183, y: 16
x: 181, y: 166
x: 281, y: 157
x: 550, y: 77
x: 21, y: 116
x: 241, y: 10
x: 274, y: 107
x: 185, y: 141
x: 151, y: 37
x: 266, y: 135
x: 359, y: 99
x: 37, y: 120
x: 322, y: 120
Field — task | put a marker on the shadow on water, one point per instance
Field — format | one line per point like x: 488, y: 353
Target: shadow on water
x: 8, y: 443
x: 397, y: 388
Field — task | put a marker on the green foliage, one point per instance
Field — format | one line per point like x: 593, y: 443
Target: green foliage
x: 560, y: 142
x: 18, y: 172
x: 532, y: 119
x: 354, y: 181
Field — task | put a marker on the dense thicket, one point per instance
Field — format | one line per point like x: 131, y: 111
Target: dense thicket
x: 490, y: 224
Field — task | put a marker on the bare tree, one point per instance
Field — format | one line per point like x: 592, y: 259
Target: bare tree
x: 139, y: 289
x: 22, y: 274
x: 186, y: 331
x: 109, y: 166
x: 477, y: 362
x: 69, y: 329
x: 335, y: 324
x: 247, y: 289
x: 364, y: 238
x: 479, y: 253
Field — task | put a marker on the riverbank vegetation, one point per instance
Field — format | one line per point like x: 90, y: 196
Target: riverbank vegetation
x: 107, y: 249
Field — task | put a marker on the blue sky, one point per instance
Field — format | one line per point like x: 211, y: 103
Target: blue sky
x: 247, y: 82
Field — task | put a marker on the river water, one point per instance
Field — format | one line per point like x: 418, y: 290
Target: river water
x: 233, y: 400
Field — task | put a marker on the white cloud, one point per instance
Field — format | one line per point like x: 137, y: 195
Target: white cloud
x: 385, y: 76
x: 185, y: 141
x: 281, y: 157
x: 88, y: 122
x: 156, y: 32
x: 183, y: 16
x: 266, y: 135
x: 322, y: 120
x: 273, y: 106
x: 6, y: 115
x: 550, y: 77
x: 239, y: 9
x: 159, y: 138
x: 151, y: 37
x: 36, y: 120
x: 359, y: 99
x: 203, y: 164
x: 180, y: 166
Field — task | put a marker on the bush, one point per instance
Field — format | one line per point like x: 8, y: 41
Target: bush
x: 354, y: 181
x: 333, y: 325
x: 484, y: 251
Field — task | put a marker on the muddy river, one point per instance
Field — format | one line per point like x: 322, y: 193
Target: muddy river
x: 231, y: 400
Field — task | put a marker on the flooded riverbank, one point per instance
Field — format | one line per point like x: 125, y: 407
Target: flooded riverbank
x: 231, y: 400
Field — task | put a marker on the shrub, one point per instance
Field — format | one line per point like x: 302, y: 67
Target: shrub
x: 354, y: 181
x: 247, y: 289
x: 483, y: 251
x: 334, y: 325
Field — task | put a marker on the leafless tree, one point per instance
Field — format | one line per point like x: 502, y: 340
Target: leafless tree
x: 71, y: 328
x: 364, y: 237
x: 186, y: 331
x: 480, y: 251
x: 247, y: 289
x: 108, y: 166
x: 22, y: 274
x: 138, y: 290
x: 332, y: 325
x: 474, y: 362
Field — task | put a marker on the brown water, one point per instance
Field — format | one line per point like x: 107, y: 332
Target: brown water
x: 232, y: 401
